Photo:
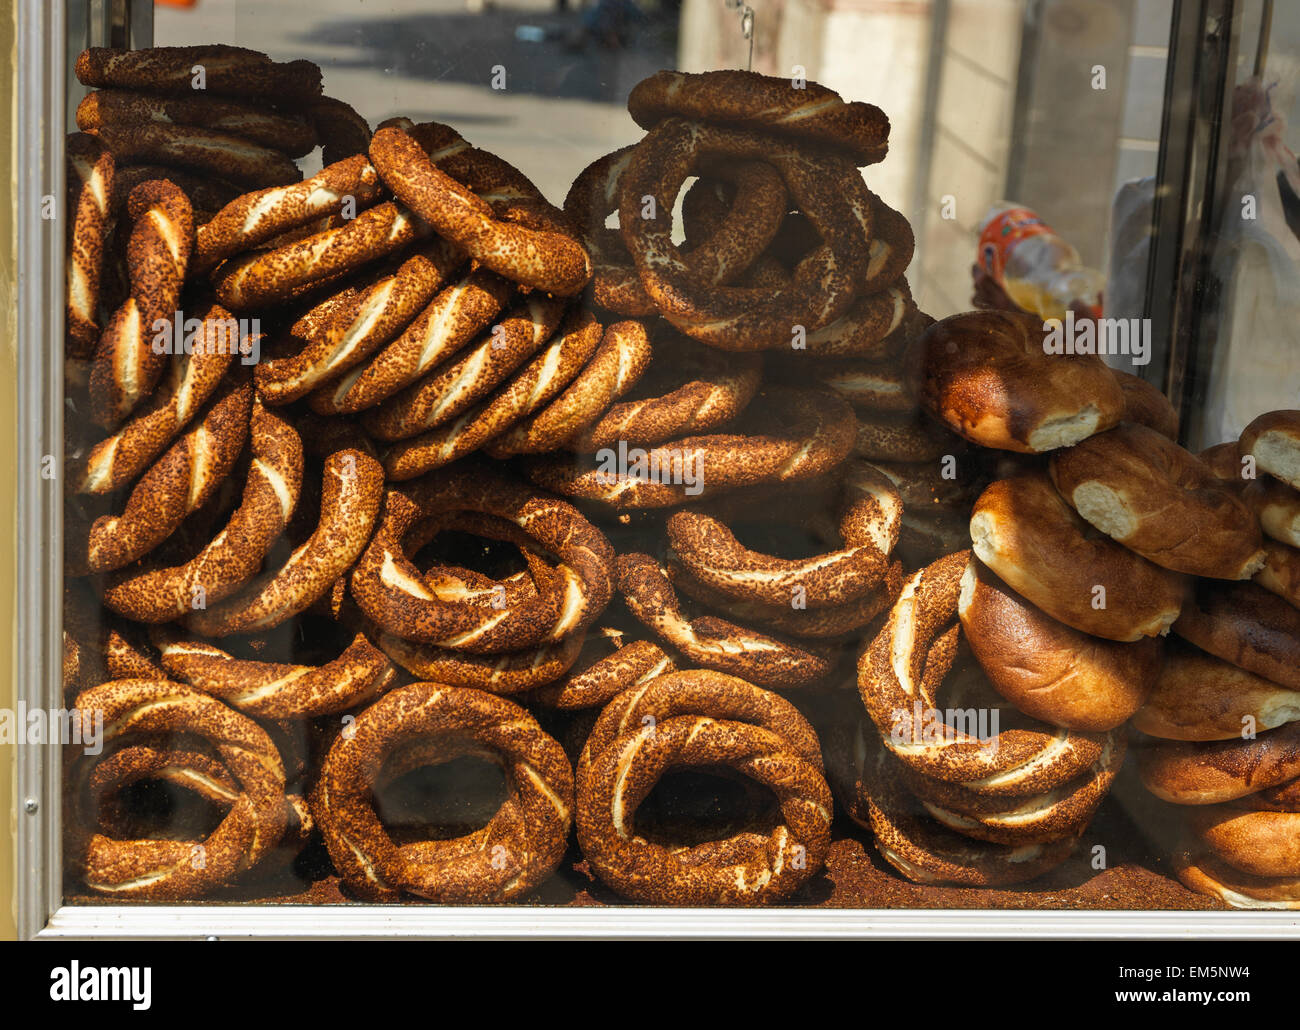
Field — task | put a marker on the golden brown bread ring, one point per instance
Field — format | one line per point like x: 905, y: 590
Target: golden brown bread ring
x: 1147, y: 405
x: 464, y: 380
x: 1274, y: 441
x: 1281, y: 572
x: 1043, y: 550
x: 749, y: 868
x: 888, y: 436
x: 858, y: 334
x: 712, y: 642
x: 166, y: 870
x: 826, y: 188
x: 275, y: 690
x: 687, y: 390
x: 877, y: 386
x: 208, y: 194
x: 529, y: 390
x: 986, y: 375
x: 286, y: 133
x: 268, y: 277
x: 116, y: 460
x: 510, y: 673
x: 869, y: 517
x: 1277, y: 506
x: 254, y: 218
x: 1259, y: 843
x: 448, y: 322
x: 391, y: 591
x: 541, y: 259
x: 1208, y: 875
x: 619, y: 361
x: 1246, y: 625
x: 343, y: 133
x: 233, y: 556
x: 1208, y: 772
x: 126, y: 365
x: 350, y: 328
x: 1048, y: 670
x: 597, y: 677
x: 234, y: 70
x: 789, y: 434
x: 208, y: 151
x: 1200, y: 697
x: 178, y: 483
x: 90, y: 173
x: 1144, y: 491
x: 807, y: 112
x: 351, y: 494
x: 519, y: 847
x: 899, y: 678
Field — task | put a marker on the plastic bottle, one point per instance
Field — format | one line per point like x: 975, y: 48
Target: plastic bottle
x: 1037, y: 269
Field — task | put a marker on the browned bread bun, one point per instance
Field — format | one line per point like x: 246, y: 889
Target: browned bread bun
x: 1274, y: 440
x: 1146, y: 405
x: 1045, y: 668
x: 1212, y: 876
x: 986, y: 375
x: 1207, y: 772
x: 1246, y: 625
x: 1224, y: 460
x: 1037, y: 544
x: 1281, y: 572
x: 1260, y: 843
x: 1200, y: 697
x: 1161, y: 501
x: 1277, y: 507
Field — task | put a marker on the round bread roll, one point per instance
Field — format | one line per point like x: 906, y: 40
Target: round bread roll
x: 1212, y: 876
x: 1224, y: 460
x: 1246, y: 625
x: 1274, y: 440
x: 1208, y: 772
x: 1045, y: 668
x: 1146, y: 405
x: 1277, y: 507
x: 1161, y: 501
x: 1038, y: 545
x: 1200, y: 697
x: 988, y: 377
x: 1261, y: 843
x: 1281, y: 572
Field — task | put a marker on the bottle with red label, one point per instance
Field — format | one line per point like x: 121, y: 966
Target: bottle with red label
x: 1037, y: 269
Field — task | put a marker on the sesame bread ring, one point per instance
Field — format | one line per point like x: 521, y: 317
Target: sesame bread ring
x: 899, y: 678
x: 191, y: 379
x: 274, y: 690
x: 157, y: 593
x: 455, y: 315
x: 1206, y: 773
x: 1144, y: 491
x: 1246, y: 625
x: 989, y: 376
x: 826, y: 188
x: 925, y: 851
x: 207, y: 194
x: 343, y: 133
x: 286, y: 133
x: 511, y: 673
x: 166, y: 870
x: 540, y: 259
x: 360, y: 325
x: 598, y: 677
x: 265, y: 278
x: 687, y: 390
x: 878, y: 386
x: 208, y: 151
x: 1147, y: 405
x: 353, y: 488
x: 126, y: 365
x: 750, y: 868
x: 1281, y: 572
x: 454, y: 387
x: 1200, y: 697
x: 90, y: 173
x: 1277, y: 506
x: 529, y: 390
x: 1048, y: 670
x: 619, y: 361
x: 1040, y: 547
x: 1209, y: 875
x: 226, y: 69
x: 1259, y: 843
x: 709, y: 641
x: 886, y: 436
x: 877, y: 323
x: 805, y: 112
x: 518, y: 848
x: 1274, y: 441
x: 390, y: 590
x: 791, y: 434
x: 181, y: 481
x: 254, y: 218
